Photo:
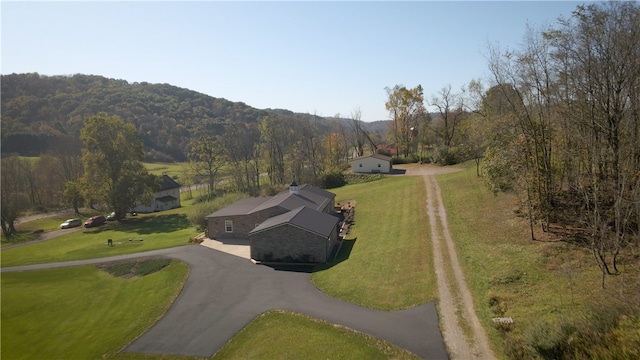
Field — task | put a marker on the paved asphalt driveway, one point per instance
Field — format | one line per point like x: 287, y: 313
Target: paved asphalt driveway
x: 224, y: 293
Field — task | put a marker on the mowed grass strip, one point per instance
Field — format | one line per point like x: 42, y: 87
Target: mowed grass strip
x: 286, y: 335
x: 529, y: 278
x: 150, y: 232
x: 81, y: 312
x: 389, y: 265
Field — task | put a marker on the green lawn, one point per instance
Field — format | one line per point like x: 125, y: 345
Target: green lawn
x: 284, y: 335
x: 389, y: 264
x: 81, y: 312
x: 157, y: 231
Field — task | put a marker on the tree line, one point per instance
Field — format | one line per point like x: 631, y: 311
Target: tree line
x: 561, y: 126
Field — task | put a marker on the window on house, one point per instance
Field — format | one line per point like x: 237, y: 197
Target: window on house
x: 378, y: 165
x: 228, y: 226
x: 360, y: 165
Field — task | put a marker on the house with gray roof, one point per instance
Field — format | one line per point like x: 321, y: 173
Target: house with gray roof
x: 296, y: 225
x: 168, y: 197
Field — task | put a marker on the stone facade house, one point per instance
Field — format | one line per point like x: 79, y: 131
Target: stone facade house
x: 300, y: 235
x: 168, y: 197
x: 375, y: 163
x: 293, y: 226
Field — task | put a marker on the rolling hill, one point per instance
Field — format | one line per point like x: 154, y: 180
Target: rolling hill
x: 40, y: 111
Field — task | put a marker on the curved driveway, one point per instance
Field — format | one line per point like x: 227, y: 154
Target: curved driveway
x: 223, y: 293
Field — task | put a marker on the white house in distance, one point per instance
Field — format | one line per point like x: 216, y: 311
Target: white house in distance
x: 168, y: 197
x: 374, y: 163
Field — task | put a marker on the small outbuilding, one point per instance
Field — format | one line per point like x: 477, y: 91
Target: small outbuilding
x: 375, y: 163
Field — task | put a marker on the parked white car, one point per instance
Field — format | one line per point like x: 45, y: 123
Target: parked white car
x: 69, y: 223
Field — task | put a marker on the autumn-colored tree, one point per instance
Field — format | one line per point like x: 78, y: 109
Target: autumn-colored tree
x: 407, y: 112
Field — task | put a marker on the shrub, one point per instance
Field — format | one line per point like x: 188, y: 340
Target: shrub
x: 362, y: 178
x: 551, y: 339
x: 411, y: 159
x: 444, y: 156
x: 332, y: 180
x: 497, y: 304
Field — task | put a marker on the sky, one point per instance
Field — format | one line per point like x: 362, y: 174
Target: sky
x: 323, y: 58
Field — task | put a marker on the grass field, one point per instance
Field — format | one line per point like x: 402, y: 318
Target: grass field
x: 171, y: 169
x: 284, y: 335
x: 387, y: 260
x: 81, y: 312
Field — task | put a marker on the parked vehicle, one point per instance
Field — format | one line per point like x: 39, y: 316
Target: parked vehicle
x: 111, y: 217
x: 70, y: 223
x: 95, y: 221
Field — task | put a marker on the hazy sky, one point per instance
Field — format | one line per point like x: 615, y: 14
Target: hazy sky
x: 317, y: 57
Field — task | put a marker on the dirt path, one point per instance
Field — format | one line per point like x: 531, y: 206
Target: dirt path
x: 455, y: 301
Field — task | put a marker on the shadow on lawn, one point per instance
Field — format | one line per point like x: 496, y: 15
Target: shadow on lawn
x: 147, y: 225
x: 345, y: 251
x: 343, y: 254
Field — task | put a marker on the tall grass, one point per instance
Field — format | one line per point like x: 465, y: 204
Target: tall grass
x: 531, y: 281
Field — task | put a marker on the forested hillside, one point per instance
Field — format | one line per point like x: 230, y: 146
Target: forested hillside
x: 39, y: 112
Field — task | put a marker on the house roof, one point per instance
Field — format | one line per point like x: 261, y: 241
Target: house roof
x: 302, y: 217
x: 167, y: 183
x: 240, y: 207
x: 309, y: 196
x: 290, y: 201
x: 376, y: 156
x: 315, y: 190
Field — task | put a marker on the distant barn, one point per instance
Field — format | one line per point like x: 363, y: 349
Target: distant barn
x: 374, y: 163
